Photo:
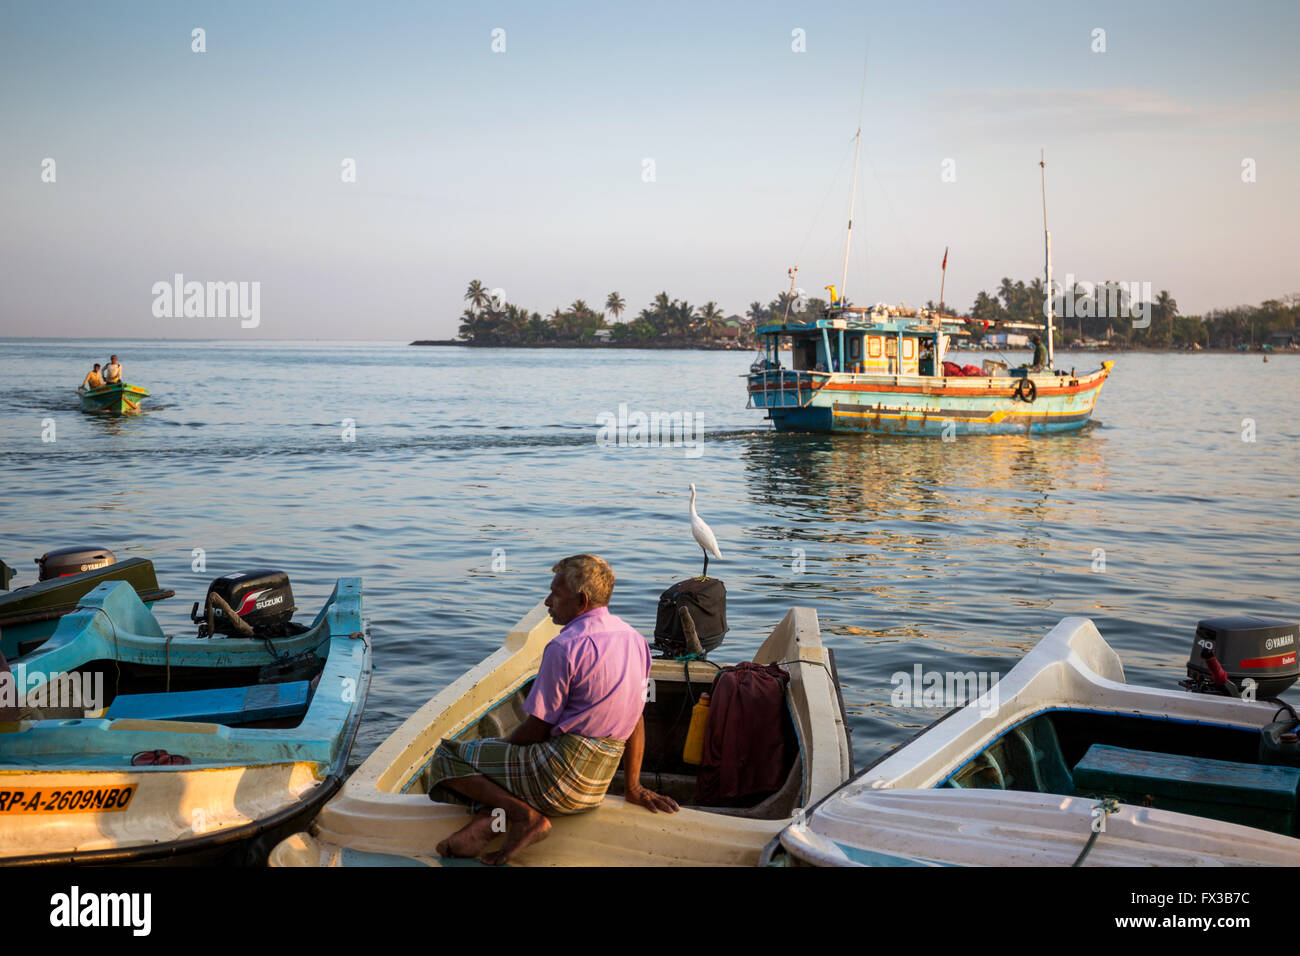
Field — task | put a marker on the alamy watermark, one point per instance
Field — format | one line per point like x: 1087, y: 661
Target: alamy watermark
x: 82, y: 691
x: 637, y: 429
x: 1100, y: 300
x: 208, y: 300
x: 922, y: 688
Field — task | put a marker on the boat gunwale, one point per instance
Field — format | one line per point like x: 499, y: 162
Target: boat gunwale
x: 372, y: 813
x: 317, y: 738
x: 1074, y: 645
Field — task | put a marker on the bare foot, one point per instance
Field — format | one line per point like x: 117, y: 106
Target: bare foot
x: 525, y: 829
x: 470, y: 840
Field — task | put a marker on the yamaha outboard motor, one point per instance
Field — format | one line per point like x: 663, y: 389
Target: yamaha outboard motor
x: 1229, y: 650
x: 256, y: 604
x: 65, y: 561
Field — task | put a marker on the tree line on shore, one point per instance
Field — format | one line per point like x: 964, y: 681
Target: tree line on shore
x: 1105, y: 312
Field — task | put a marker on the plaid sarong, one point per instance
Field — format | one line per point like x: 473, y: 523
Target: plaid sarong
x: 563, y: 775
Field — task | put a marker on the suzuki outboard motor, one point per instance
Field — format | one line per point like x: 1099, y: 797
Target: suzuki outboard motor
x: 1228, y: 650
x: 257, y: 604
x: 65, y: 561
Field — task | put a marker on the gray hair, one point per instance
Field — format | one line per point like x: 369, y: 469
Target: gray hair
x: 587, y: 574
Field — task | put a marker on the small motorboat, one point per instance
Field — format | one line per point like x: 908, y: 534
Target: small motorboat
x: 123, y: 744
x: 117, y: 399
x: 1062, y: 763
x: 29, y: 615
x: 383, y: 816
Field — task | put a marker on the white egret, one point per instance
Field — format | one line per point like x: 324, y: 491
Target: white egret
x: 703, y: 535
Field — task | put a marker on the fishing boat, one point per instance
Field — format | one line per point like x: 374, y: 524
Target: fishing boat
x: 123, y: 744
x: 29, y: 615
x: 889, y: 378
x: 885, y: 371
x: 116, y: 399
x: 383, y: 815
x: 1063, y: 763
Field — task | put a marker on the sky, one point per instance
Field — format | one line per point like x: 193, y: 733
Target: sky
x: 560, y: 152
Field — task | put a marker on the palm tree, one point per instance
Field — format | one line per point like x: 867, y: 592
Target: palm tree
x: 712, y: 319
x: 616, y: 304
x: 757, y: 312
x: 683, y: 316
x: 986, y: 307
x: 537, y: 327
x: 469, y: 325
x: 1007, y: 293
x: 1163, y: 312
x: 777, y: 307
x: 477, y: 295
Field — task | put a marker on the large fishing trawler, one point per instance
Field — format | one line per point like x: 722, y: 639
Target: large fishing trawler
x: 882, y: 370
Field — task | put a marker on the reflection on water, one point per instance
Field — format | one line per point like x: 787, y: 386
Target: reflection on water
x: 952, y: 555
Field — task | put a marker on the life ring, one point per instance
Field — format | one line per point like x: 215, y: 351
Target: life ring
x: 1026, y: 391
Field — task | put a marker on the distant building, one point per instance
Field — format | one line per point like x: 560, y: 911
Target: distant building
x: 1006, y: 339
x: 602, y: 336
x: 1285, y: 340
x: 734, y: 326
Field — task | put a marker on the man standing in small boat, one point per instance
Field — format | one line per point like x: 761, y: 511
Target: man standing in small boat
x: 584, y: 716
x: 112, y: 371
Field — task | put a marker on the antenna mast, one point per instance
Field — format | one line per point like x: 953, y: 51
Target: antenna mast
x: 1047, y: 267
x: 853, y: 193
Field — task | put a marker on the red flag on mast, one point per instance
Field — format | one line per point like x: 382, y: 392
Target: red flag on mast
x: 945, y: 258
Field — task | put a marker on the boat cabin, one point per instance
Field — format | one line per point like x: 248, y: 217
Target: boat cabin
x: 877, y: 340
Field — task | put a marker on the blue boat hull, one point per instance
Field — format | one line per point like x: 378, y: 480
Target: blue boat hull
x: 262, y: 732
x: 936, y: 407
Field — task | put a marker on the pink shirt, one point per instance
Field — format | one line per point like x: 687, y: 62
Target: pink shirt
x: 593, y: 678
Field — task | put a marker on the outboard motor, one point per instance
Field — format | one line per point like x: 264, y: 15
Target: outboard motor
x: 692, y: 617
x: 255, y: 604
x: 65, y: 561
x: 1229, y: 650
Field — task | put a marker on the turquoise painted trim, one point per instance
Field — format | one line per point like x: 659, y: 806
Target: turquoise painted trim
x: 111, y: 623
x: 322, y: 738
x: 913, y: 413
x: 876, y: 858
x: 1092, y: 711
x: 351, y: 857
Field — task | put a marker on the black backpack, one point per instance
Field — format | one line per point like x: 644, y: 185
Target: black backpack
x: 705, y: 601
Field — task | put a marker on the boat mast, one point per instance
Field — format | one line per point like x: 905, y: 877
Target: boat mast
x: 793, y: 274
x: 853, y: 198
x: 1047, y: 267
x: 853, y: 193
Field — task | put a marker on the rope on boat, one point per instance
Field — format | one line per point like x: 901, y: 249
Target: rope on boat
x: 1107, y: 806
x: 117, y: 662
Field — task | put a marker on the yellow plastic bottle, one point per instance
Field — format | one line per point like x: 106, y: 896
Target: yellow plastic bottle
x: 693, y: 752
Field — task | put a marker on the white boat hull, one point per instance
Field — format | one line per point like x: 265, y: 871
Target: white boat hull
x: 892, y: 815
x: 383, y: 817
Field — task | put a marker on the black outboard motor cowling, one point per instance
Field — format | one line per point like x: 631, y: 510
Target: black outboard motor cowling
x: 262, y: 600
x: 705, y: 601
x: 65, y: 561
x: 1245, y: 646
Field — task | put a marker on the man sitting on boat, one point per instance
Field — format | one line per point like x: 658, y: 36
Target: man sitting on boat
x: 584, y: 716
x: 112, y: 371
x: 93, y: 379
